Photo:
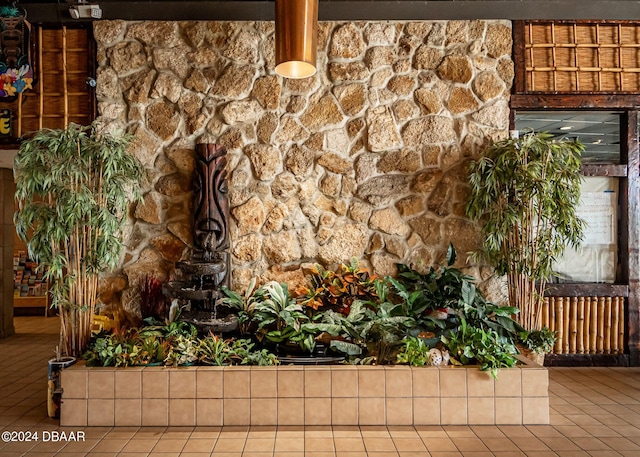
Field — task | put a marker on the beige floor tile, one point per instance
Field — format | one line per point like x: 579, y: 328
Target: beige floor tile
x: 439, y: 445
x: 139, y: 445
x: 409, y: 444
x: 500, y: 445
x: 346, y: 431
x: 229, y: 445
x: 262, y: 431
x: 318, y: 444
x: 349, y: 444
x: 373, y: 444
x: 259, y: 445
x: 469, y: 444
x: 374, y: 431
x: 169, y: 445
x: 289, y: 444
x: 199, y: 445
x: 115, y: 445
x: 319, y: 454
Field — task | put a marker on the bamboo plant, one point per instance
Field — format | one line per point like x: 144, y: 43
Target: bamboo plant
x: 73, y: 187
x: 525, y: 192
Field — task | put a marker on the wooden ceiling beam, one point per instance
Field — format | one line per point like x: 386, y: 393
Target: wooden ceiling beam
x: 331, y: 10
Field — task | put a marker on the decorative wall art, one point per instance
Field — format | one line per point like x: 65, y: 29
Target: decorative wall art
x: 16, y: 72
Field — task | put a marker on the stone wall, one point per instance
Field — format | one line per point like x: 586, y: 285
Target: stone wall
x: 366, y: 159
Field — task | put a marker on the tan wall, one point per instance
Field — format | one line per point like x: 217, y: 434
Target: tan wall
x: 366, y: 159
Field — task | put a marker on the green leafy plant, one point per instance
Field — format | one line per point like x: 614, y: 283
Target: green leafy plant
x: 73, y: 187
x: 471, y: 345
x: 415, y: 352
x: 279, y: 317
x: 376, y: 327
x: 214, y: 350
x: 244, y: 305
x: 118, y: 349
x: 153, y: 351
x: 438, y: 299
x: 525, y: 192
x: 184, y: 351
x: 538, y: 341
x: 245, y: 354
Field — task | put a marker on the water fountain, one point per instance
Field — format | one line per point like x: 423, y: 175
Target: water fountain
x: 198, y: 280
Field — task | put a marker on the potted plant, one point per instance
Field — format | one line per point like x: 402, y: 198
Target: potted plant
x: 535, y: 344
x: 524, y: 192
x: 73, y: 187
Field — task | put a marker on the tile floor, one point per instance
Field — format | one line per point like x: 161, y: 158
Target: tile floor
x: 595, y: 412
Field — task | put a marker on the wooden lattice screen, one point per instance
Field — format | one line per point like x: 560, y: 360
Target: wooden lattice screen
x: 586, y: 325
x: 582, y: 57
x: 60, y: 93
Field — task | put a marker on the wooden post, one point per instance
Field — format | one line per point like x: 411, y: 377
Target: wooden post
x: 630, y: 239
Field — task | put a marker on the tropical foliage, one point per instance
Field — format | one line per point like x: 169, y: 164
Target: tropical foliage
x: 525, y: 192
x: 73, y: 187
x: 397, y: 320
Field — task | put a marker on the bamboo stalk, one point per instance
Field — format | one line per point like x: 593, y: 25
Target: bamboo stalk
x: 573, y: 325
x: 65, y: 77
x: 587, y: 324
x: 566, y: 317
x: 19, y: 127
x: 582, y: 46
x: 593, y: 333
x: 545, y: 313
x: 553, y: 56
x: 607, y: 326
x: 614, y: 325
x: 621, y: 79
x: 598, y: 56
x: 552, y: 314
x: 559, y: 326
x: 621, y: 328
x: 580, y: 336
x: 575, y: 55
x: 600, y: 335
x: 40, y: 79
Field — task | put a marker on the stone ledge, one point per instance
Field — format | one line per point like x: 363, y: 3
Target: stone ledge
x: 309, y: 395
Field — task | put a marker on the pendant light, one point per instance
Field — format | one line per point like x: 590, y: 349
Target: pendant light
x: 296, y: 37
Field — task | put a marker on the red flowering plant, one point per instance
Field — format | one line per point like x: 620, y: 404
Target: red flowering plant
x: 338, y: 289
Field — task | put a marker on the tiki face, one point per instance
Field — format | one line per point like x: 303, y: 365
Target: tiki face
x: 211, y: 232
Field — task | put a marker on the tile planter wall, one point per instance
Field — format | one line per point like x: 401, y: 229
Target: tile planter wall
x: 310, y: 395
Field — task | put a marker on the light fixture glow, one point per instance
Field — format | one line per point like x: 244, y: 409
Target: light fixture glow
x: 566, y: 127
x: 296, y: 38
